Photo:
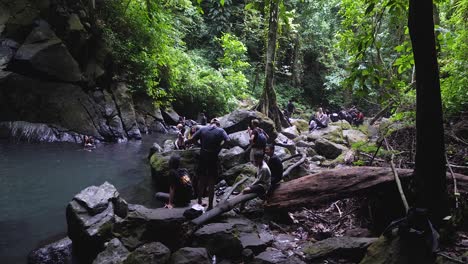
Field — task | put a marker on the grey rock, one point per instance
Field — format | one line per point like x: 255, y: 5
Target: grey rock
x: 59, y: 252
x: 303, y: 144
x: 42, y: 32
x: 37, y: 132
x: 144, y: 225
x: 240, y: 139
x: 232, y: 157
x: 239, y: 120
x: 282, y: 152
x: 115, y: 253
x: 190, y: 255
x: 331, y: 133
x: 285, y: 142
x: 124, y: 104
x: 247, y: 254
x: 155, y: 148
x: 230, y: 175
x: 328, y: 149
x: 352, y: 248
x: 353, y: 136
x: 290, y: 132
x: 151, y: 253
x: 91, y: 216
x: 170, y: 116
x: 318, y: 158
x: 6, y: 54
x: 168, y: 145
x: 253, y: 242
x: 274, y: 256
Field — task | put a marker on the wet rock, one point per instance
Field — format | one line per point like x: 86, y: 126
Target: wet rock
x: 240, y: 139
x: 231, y: 157
x: 160, y: 165
x: 144, y: 225
x: 91, y: 216
x: 285, y: 242
x: 253, y: 242
x: 37, y: 132
x: 190, y: 255
x: 352, y: 248
x: 239, y: 120
x: 274, y: 256
x: 230, y: 175
x: 170, y: 116
x: 151, y: 253
x: 328, y: 149
x: 115, y: 253
x: 353, y: 136
x: 290, y: 132
x: 59, y: 252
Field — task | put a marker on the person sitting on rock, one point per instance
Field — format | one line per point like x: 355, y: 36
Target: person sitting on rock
x: 275, y: 165
x: 180, y: 141
x: 180, y: 185
x: 262, y: 182
x: 189, y: 134
x: 258, y: 139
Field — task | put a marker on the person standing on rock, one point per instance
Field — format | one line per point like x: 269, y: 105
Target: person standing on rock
x: 212, y: 138
x: 203, y: 119
x: 275, y: 165
x: 258, y: 139
x: 290, y: 108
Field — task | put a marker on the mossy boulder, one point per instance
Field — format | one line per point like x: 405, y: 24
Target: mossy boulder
x: 247, y: 169
x: 329, y: 149
x: 352, y: 248
x: 301, y: 124
x: 239, y: 120
x: 160, y: 165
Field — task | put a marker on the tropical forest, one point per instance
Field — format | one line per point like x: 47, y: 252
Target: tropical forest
x: 233, y: 131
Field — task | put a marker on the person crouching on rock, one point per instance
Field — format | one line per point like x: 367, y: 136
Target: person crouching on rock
x: 262, y: 180
x: 180, y: 185
x: 179, y: 144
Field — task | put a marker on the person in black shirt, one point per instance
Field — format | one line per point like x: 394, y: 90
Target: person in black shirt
x: 290, y: 108
x: 211, y: 138
x: 275, y: 165
x: 180, y: 186
x: 203, y: 119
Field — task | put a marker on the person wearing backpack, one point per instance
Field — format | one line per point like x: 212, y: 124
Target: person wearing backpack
x: 180, y: 185
x: 258, y: 139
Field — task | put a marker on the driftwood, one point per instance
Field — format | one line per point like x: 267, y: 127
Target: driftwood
x: 234, y: 187
x: 295, y: 165
x: 331, y: 185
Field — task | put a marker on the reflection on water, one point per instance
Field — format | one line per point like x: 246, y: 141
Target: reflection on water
x: 38, y: 180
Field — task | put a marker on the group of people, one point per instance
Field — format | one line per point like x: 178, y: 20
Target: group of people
x: 212, y: 137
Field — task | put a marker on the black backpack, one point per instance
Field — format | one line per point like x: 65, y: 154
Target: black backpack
x: 261, y: 140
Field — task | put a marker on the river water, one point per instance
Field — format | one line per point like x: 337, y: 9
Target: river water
x: 38, y: 180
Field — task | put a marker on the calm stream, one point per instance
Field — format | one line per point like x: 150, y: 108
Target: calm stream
x: 38, y: 180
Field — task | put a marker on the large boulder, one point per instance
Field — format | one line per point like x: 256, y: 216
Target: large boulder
x: 160, y: 165
x: 290, y: 132
x: 124, y: 104
x: 328, y: 149
x: 143, y: 225
x: 227, y: 239
x: 232, y: 157
x: 149, y: 117
x: 240, y: 139
x: 239, y: 120
x: 353, y: 136
x: 44, y: 53
x: 274, y: 256
x: 190, y: 255
x: 170, y: 116
x: 247, y: 169
x: 59, y: 252
x: 351, y: 248
x: 283, y: 141
x: 37, y: 132
x: 332, y: 133
x: 115, y: 253
x: 301, y: 124
x: 151, y: 253
x: 91, y: 216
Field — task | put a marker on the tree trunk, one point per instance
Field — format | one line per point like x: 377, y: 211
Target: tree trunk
x: 268, y: 104
x: 331, y: 185
x: 431, y: 189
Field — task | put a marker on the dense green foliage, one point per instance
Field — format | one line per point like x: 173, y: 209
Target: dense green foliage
x: 205, y: 56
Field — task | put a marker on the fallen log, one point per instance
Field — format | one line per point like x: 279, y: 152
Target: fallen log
x: 331, y: 185
x: 295, y: 165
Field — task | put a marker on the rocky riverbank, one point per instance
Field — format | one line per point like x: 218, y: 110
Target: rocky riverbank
x: 57, y: 81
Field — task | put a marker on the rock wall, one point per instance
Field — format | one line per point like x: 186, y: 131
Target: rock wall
x: 56, y: 75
